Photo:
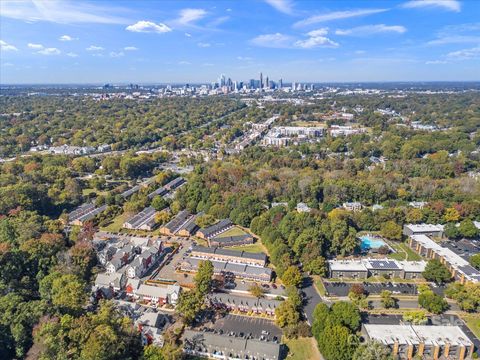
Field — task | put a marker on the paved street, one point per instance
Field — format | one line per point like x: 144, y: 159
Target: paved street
x: 312, y: 298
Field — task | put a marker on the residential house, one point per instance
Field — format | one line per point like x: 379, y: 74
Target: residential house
x: 215, y: 230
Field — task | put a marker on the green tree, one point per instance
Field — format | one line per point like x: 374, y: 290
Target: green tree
x: 372, y: 350
x: 346, y: 314
x: 475, y: 261
x: 337, y: 343
x: 203, y: 277
x: 437, y: 272
x: 432, y: 302
x: 256, y: 290
x: 68, y: 293
x: 415, y: 317
x: 292, y: 276
x: 468, y: 229
x: 159, y: 203
x: 189, y: 305
x: 391, y: 230
x: 387, y: 300
x: 451, y: 231
x: 286, y: 314
x: 205, y: 220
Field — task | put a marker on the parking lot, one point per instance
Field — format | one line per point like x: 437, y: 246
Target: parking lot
x: 342, y: 289
x: 167, y: 271
x: 247, y: 326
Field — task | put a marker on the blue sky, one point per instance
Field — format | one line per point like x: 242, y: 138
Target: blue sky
x: 59, y: 41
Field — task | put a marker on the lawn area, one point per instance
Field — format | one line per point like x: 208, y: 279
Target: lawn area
x: 403, y: 252
x: 234, y: 231
x: 302, y: 349
x: 473, y: 322
x: 319, y: 285
x: 116, y: 224
x: 255, y: 247
x: 88, y: 191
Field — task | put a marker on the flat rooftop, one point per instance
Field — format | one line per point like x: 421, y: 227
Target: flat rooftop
x: 416, y: 334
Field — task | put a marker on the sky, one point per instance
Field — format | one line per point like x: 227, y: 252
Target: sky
x: 61, y: 41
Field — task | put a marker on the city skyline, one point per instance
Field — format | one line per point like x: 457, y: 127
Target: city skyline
x: 192, y: 42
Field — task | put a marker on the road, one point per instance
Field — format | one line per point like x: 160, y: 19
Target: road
x: 312, y: 298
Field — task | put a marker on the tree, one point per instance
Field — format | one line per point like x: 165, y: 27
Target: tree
x: 475, y: 261
x: 337, y: 343
x: 466, y: 295
x: 286, y: 314
x: 451, y: 231
x: 451, y: 215
x: 391, y: 230
x: 468, y: 229
x: 256, y: 290
x: 203, y: 277
x: 162, y: 217
x: 292, y: 276
x: 437, y: 272
x: 415, y: 317
x: 372, y: 350
x: 68, y: 293
x: 189, y: 305
x: 432, y: 302
x: 346, y: 314
x: 205, y: 220
x: 387, y: 300
x: 159, y: 203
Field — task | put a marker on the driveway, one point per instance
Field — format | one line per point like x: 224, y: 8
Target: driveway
x: 312, y: 298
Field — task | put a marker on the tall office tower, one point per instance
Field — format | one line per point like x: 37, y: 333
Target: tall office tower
x: 280, y: 83
x: 267, y: 84
x: 252, y: 83
x: 261, y: 81
x: 294, y: 86
x: 221, y: 80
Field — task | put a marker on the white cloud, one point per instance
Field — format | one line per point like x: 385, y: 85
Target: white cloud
x: 130, y: 48
x: 7, y: 64
x: 4, y: 46
x: 184, y: 63
x: 372, y: 29
x: 35, y: 46
x: 60, y: 11
x: 460, y: 39
x: 316, y: 38
x: 318, y: 32
x: 276, y: 40
x: 148, y: 27
x: 360, y: 52
x: 465, y: 54
x: 450, y: 5
x: 72, y: 54
x: 436, y: 62
x: 117, y: 54
x: 49, y: 51
x: 66, y: 38
x: 208, y: 64
x: 204, y: 45
x: 188, y: 16
x: 244, y: 58
x: 188, y: 35
x: 317, y: 41
x: 337, y: 15
x: 94, y: 48
x: 284, y: 6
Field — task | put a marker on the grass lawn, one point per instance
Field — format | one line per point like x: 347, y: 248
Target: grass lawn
x: 234, y: 231
x: 403, y: 252
x: 116, y: 224
x: 473, y: 322
x: 319, y: 285
x: 302, y: 349
x: 88, y: 191
x: 255, y: 247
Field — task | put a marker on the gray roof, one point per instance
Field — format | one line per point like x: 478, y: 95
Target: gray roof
x: 199, y: 341
x: 215, y: 228
x: 178, y: 221
x: 232, y: 253
x: 142, y: 218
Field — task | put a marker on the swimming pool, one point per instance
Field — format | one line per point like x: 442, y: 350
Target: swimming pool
x: 368, y: 242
